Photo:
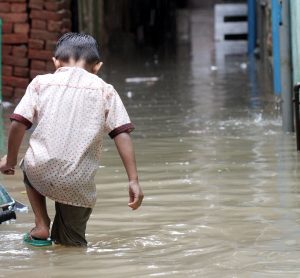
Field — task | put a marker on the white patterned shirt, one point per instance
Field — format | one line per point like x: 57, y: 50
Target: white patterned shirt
x: 72, y: 110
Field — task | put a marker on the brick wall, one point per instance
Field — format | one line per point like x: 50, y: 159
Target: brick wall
x: 30, y: 30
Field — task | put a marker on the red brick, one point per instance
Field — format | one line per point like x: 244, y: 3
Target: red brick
x: 50, y: 45
x: 40, y: 54
x: 56, y: 6
x: 48, y: 15
x: 36, y: 44
x: 14, y: 17
x: 50, y: 66
x: 19, y: 51
x: 18, y: 7
x: 19, y: 82
x: 7, y: 91
x: 14, y: 61
x: 43, y: 35
x: 36, y: 6
x: 22, y: 28
x: 38, y: 65
x: 34, y: 73
x: 16, y: 1
x: 7, y: 28
x: 65, y: 30
x: 54, y: 26
x: 7, y: 70
x: 6, y: 49
x: 15, y: 38
x: 59, y: 26
x: 5, y: 7
x: 18, y: 94
x: 21, y: 72
x: 38, y: 24
x: 36, y: 1
x: 67, y: 23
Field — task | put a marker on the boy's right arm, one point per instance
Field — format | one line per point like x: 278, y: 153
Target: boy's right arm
x: 15, y: 137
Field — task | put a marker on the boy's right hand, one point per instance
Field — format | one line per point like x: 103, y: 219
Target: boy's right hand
x: 6, y: 169
x: 135, y: 195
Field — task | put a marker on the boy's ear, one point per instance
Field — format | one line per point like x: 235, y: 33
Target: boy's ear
x: 56, y: 63
x: 97, y: 67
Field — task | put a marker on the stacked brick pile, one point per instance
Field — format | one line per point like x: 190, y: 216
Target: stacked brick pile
x: 30, y: 30
x: 15, y: 47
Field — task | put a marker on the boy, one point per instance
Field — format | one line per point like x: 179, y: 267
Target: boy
x: 72, y: 109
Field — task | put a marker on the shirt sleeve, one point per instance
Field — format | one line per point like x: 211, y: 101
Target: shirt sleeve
x: 116, y: 118
x: 26, y: 110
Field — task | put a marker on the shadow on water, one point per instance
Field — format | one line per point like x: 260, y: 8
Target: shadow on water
x: 221, y: 180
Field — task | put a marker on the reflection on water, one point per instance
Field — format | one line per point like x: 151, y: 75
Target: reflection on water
x: 221, y: 183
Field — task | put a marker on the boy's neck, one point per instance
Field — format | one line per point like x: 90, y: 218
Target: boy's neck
x: 78, y: 64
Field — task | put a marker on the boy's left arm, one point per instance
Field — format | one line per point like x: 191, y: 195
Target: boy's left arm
x: 125, y: 148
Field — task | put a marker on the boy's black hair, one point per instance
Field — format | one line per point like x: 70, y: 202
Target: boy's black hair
x: 77, y: 46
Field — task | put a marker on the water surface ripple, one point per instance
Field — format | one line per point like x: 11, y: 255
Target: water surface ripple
x: 221, y: 182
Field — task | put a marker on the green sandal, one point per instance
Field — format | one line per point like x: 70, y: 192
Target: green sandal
x: 27, y: 238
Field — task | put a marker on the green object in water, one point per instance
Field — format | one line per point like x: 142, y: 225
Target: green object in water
x: 27, y: 238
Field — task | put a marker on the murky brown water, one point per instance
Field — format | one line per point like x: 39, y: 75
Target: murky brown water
x: 221, y: 182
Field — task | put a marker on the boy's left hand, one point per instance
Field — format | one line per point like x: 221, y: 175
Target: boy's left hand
x: 136, y: 195
x: 6, y: 169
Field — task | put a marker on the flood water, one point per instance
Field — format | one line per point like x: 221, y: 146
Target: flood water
x: 221, y: 179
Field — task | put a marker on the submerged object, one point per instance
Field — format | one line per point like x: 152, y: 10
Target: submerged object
x: 7, y: 215
x: 9, y: 206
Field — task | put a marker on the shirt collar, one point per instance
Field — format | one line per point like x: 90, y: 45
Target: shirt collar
x: 62, y: 69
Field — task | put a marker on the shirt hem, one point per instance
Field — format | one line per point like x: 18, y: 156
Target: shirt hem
x: 55, y: 199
